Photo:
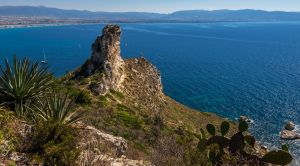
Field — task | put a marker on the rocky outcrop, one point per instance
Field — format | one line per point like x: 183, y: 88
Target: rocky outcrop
x: 289, y: 135
x: 289, y: 132
x: 143, y: 83
x: 106, y: 59
x: 119, y: 142
x: 136, y: 78
x: 100, y: 148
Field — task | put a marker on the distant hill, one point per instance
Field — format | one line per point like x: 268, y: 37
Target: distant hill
x: 179, y: 16
x: 41, y: 11
x: 234, y: 15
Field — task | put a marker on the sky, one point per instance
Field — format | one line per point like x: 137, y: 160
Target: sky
x: 161, y: 6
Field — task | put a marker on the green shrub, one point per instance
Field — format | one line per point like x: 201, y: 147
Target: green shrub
x: 82, y: 98
x: 117, y: 94
x: 7, y: 136
x: 22, y: 82
x: 56, y: 108
x: 55, y: 143
x: 71, y: 83
x: 11, y: 163
x: 121, y: 107
x: 129, y: 120
x: 103, y: 101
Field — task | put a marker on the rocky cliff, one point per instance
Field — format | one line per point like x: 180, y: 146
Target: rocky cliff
x: 105, y: 58
x: 136, y: 77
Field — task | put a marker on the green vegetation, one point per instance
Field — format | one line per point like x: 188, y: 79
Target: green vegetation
x: 55, y: 143
x: 117, y: 94
x: 22, y: 82
x: 25, y: 88
x: 82, y: 98
x: 171, y: 134
x: 56, y: 108
x: 8, y: 140
x: 129, y: 120
x: 103, y: 101
x: 235, y: 148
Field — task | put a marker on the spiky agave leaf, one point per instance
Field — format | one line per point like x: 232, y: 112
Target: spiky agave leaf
x: 22, y: 81
x: 56, y: 108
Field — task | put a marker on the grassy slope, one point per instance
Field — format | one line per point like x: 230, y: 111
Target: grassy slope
x: 119, y: 115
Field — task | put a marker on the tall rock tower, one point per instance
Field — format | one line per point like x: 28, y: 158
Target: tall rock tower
x: 106, y: 59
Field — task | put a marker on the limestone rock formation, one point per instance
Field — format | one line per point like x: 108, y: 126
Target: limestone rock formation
x: 106, y: 59
x: 136, y: 77
x: 143, y: 83
x: 100, y: 148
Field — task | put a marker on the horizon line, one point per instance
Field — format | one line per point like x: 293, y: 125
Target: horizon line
x: 211, y: 10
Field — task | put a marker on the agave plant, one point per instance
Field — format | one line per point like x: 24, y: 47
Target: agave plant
x: 56, y: 108
x: 22, y: 81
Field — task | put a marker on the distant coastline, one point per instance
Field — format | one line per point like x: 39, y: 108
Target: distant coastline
x: 14, y: 26
x: 41, y: 25
x: 25, y: 16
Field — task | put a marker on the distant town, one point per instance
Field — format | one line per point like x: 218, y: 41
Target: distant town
x: 15, y: 21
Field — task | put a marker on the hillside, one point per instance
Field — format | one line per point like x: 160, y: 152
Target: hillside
x: 121, y: 116
x: 179, y: 16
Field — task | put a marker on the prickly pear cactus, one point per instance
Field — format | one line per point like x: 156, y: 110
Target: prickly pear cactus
x: 223, y: 142
x: 216, y: 144
x: 211, y: 129
x: 224, y: 128
x: 243, y: 126
x: 236, y: 143
x: 279, y: 157
x: 202, y: 144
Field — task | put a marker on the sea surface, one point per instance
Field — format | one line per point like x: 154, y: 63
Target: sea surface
x: 230, y: 69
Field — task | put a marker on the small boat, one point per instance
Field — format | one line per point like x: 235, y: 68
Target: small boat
x: 45, y: 60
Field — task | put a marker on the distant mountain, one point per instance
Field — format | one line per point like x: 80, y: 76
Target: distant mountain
x: 179, y: 16
x: 234, y: 15
x: 41, y: 11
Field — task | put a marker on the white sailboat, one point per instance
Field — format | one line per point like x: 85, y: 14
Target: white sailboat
x: 45, y: 60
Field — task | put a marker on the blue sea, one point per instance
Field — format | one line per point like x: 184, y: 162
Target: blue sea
x: 230, y: 69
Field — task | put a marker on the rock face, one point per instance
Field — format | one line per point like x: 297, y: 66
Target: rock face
x: 136, y: 77
x: 143, y: 83
x: 100, y: 148
x: 106, y: 59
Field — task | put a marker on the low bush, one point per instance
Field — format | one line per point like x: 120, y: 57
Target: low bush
x: 55, y: 143
x: 129, y: 120
x: 103, y: 101
x: 119, y: 95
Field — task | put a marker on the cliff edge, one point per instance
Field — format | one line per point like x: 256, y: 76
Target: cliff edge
x: 135, y: 77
